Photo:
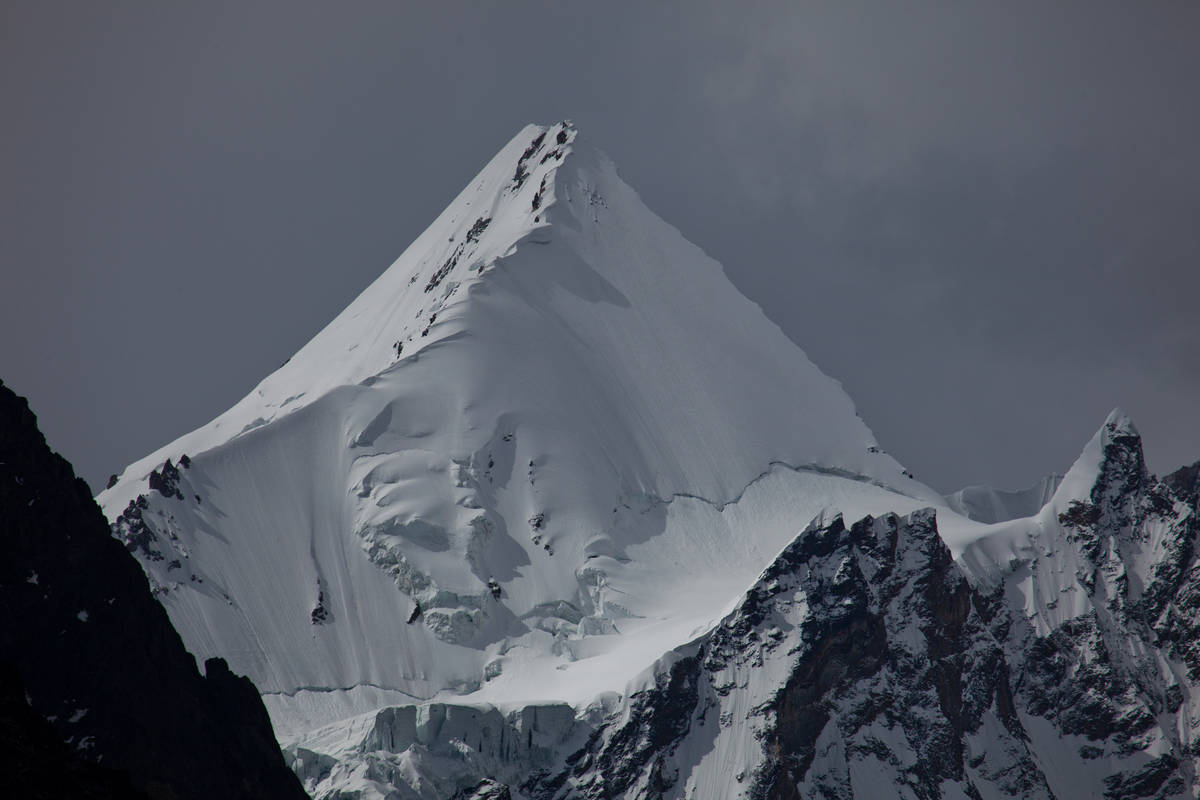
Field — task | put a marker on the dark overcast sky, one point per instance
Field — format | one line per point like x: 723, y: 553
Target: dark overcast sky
x: 981, y: 218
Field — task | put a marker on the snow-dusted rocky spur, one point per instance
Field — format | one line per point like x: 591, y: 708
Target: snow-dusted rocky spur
x: 530, y: 519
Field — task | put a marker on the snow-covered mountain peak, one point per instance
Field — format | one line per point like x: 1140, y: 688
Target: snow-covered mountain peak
x: 1119, y: 423
x: 1113, y: 455
x: 610, y: 274
x: 526, y: 512
x: 1090, y: 543
x: 417, y: 301
x: 550, y: 442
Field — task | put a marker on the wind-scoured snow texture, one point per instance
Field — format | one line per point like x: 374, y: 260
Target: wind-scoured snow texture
x: 548, y: 444
x: 985, y: 504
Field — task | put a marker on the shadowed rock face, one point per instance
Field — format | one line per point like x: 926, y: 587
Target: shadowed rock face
x: 37, y: 764
x: 897, y: 664
x: 859, y: 644
x: 92, y: 672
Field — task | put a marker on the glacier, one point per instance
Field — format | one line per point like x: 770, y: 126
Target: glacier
x: 485, y: 534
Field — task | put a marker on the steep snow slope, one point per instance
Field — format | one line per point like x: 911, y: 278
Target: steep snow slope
x: 682, y: 366
x: 1050, y: 559
x: 550, y: 443
x: 985, y: 504
x: 522, y: 521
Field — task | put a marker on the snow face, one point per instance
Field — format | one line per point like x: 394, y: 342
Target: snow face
x: 479, y: 461
x: 546, y: 446
x: 988, y: 505
x: 527, y: 511
x: 1050, y: 561
x: 555, y: 243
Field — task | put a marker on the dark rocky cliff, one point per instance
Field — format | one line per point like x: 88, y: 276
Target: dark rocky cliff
x: 99, y: 698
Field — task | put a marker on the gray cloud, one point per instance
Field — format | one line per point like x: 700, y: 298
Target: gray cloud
x: 979, y: 217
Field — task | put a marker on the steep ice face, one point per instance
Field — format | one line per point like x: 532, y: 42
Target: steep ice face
x: 548, y: 444
x: 522, y: 522
x: 548, y: 238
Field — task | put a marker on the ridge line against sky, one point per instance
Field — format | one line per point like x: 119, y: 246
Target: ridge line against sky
x: 981, y: 220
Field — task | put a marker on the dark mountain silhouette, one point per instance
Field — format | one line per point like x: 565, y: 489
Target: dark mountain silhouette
x: 98, y: 696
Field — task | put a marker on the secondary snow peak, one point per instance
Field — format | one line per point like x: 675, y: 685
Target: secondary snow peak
x: 1116, y: 447
x: 1119, y: 423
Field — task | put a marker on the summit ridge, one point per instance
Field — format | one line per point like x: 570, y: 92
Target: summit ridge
x: 464, y: 482
x: 480, y: 534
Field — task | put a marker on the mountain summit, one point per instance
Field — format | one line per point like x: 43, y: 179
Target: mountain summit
x: 530, y: 518
x: 549, y: 263
x: 549, y: 442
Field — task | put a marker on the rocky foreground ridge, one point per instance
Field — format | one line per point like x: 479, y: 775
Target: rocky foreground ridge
x: 98, y: 697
